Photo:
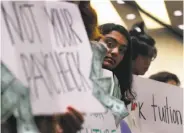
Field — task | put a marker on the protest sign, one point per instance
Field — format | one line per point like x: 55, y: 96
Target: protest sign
x: 100, y: 123
x: 45, y: 45
x: 160, y: 106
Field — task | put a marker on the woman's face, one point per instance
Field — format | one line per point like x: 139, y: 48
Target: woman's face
x: 172, y: 82
x: 141, y: 64
x: 116, y: 45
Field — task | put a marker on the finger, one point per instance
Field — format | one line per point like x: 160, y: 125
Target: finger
x: 69, y: 123
x: 76, y: 114
x: 59, y: 129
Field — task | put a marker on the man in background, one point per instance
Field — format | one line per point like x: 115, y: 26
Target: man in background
x: 166, y: 77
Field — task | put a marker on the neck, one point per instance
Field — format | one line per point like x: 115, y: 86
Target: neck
x: 134, y: 70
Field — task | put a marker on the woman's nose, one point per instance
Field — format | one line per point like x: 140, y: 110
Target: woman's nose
x: 115, y: 51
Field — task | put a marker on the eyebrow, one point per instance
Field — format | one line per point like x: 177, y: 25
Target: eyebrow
x: 116, y: 40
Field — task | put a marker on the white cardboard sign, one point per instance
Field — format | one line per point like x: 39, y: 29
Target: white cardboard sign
x: 100, y: 123
x: 160, y: 106
x: 46, y: 46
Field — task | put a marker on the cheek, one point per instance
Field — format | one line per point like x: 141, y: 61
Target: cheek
x: 119, y: 59
x: 139, y: 64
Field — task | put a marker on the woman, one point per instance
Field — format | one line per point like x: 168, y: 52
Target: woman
x: 123, y: 70
x: 143, y: 47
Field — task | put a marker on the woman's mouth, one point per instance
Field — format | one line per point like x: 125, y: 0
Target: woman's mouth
x: 109, y: 60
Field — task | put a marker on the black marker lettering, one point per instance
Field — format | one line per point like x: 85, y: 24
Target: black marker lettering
x: 8, y: 20
x: 178, y: 115
x: 25, y: 64
x: 46, y: 64
x: 99, y: 116
x: 163, y: 115
x: 66, y: 72
x: 167, y: 114
x: 42, y: 76
x: 69, y: 62
x: 24, y: 26
x: 57, y: 71
x: 62, y: 23
x: 35, y: 24
x: 84, y: 81
x: 171, y: 115
x: 167, y: 111
x: 140, y: 112
x: 153, y: 105
x: 58, y: 30
x: 29, y: 22
x: 69, y: 20
x: 174, y: 117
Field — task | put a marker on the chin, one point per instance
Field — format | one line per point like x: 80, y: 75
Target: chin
x: 106, y: 67
x: 142, y: 73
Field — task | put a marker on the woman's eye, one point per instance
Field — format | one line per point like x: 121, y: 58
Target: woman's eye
x: 122, y: 50
x: 110, y: 44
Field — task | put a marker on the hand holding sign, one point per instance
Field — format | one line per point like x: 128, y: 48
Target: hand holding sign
x: 70, y: 122
x: 43, y: 46
x: 51, y: 54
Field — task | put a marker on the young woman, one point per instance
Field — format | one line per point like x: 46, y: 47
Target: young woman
x: 119, y: 57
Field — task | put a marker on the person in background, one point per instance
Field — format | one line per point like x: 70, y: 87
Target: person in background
x: 89, y: 17
x: 143, y: 47
x: 166, y: 77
